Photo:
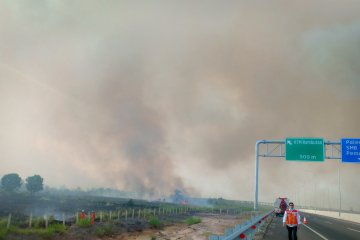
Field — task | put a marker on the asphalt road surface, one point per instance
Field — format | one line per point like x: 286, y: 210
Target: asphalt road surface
x: 318, y: 227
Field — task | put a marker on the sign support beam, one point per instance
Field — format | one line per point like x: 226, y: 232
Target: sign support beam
x: 274, y: 148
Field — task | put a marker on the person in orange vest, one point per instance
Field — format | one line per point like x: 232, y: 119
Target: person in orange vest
x: 292, y: 221
x: 92, y: 217
x: 82, y: 214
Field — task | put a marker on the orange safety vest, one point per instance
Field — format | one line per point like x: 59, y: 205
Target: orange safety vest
x: 291, y: 217
x: 82, y: 215
x: 92, y: 218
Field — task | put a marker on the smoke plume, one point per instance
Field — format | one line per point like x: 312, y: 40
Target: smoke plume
x: 152, y: 97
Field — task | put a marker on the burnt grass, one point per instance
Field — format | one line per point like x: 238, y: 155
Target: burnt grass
x: 20, y: 205
x: 43, y: 204
x: 112, y: 228
x: 117, y: 227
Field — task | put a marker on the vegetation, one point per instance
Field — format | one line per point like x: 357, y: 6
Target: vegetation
x: 155, y: 222
x: 85, y: 223
x: 136, y: 214
x: 34, y: 183
x: 221, y: 204
x: 104, y: 231
x: 11, y: 182
x: 192, y: 220
x: 178, y: 196
x: 3, y: 233
x: 56, y: 228
x: 130, y: 203
x: 41, y: 232
x: 50, y: 231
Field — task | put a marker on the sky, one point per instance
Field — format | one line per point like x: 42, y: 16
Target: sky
x: 153, y: 96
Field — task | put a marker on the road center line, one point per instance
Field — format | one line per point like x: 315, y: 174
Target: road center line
x: 353, y: 229
x: 315, y: 232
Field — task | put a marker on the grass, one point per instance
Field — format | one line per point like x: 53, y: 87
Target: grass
x: 192, y: 220
x: 3, y: 233
x: 103, y: 231
x: 3, y: 222
x: 56, y: 228
x: 155, y: 222
x: 85, y: 223
x: 38, y: 223
x: 41, y: 232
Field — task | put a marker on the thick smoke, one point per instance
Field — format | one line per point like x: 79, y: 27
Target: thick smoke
x: 156, y: 96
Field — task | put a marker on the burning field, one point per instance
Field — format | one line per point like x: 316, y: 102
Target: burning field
x: 115, y: 218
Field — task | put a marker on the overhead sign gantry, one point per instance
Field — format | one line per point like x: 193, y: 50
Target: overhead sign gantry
x: 306, y: 149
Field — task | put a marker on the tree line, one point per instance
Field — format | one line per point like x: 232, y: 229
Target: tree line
x: 12, y: 182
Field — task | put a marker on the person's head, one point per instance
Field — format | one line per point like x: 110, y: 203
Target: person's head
x: 291, y: 205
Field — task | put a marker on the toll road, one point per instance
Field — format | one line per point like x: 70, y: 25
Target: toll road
x: 318, y: 227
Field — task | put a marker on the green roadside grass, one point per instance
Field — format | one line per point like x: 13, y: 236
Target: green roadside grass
x: 155, y: 222
x: 193, y: 220
x: 41, y: 232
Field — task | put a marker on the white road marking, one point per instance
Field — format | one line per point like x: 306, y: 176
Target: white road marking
x: 315, y: 232
x: 329, y: 222
x: 353, y: 229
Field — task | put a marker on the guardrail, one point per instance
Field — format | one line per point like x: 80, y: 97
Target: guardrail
x: 243, y: 231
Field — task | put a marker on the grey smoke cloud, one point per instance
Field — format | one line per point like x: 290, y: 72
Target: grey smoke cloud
x: 156, y: 96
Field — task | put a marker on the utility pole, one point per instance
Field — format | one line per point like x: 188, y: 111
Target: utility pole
x: 339, y: 189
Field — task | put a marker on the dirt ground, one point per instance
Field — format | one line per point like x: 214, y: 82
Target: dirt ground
x: 139, y: 230
x: 210, y: 224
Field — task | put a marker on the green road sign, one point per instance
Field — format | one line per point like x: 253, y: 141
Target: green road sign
x: 304, y: 149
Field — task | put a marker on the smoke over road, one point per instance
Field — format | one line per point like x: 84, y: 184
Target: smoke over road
x: 151, y: 97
